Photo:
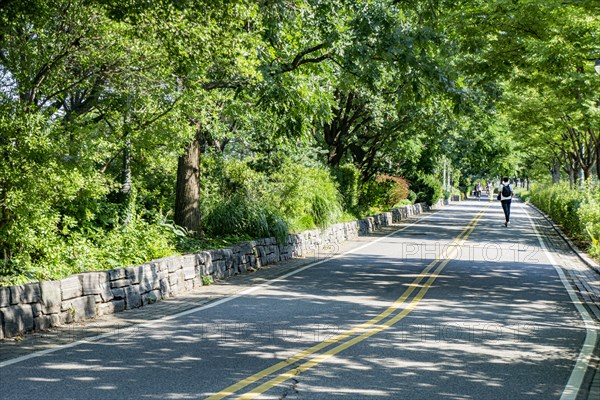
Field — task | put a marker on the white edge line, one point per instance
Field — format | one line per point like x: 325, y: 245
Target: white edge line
x: 583, y: 360
x: 204, y: 307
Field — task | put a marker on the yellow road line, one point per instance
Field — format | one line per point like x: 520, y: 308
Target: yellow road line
x: 320, y: 346
x: 319, y: 358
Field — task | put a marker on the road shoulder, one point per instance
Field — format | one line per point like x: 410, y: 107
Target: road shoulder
x: 583, y: 274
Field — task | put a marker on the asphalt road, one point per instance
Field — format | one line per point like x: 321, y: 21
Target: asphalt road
x: 455, y: 306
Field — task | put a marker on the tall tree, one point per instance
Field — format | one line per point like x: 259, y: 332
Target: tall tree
x: 543, y: 52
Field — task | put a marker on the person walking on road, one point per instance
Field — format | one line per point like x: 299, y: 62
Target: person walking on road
x: 505, y: 195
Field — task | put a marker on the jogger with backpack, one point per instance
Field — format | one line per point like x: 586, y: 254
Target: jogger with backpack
x: 505, y: 194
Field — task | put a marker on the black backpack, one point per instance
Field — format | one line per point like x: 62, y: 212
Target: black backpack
x: 506, y: 190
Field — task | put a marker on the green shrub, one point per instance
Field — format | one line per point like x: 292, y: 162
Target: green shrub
x: 384, y: 192
x: 523, y: 194
x: 560, y: 202
x: 454, y: 191
x: 61, y: 255
x: 233, y: 202
x: 235, y: 214
x: 306, y: 196
x: 372, y: 194
x: 577, y: 210
x: 466, y: 185
x: 412, y: 197
x: 347, y: 177
x: 589, y: 216
x: 320, y: 210
x: 405, y: 202
x: 428, y: 188
x: 238, y: 200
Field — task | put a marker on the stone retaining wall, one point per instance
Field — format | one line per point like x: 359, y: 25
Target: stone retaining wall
x: 42, y: 305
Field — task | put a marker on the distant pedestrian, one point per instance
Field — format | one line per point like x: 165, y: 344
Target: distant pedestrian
x: 478, y: 189
x: 505, y: 195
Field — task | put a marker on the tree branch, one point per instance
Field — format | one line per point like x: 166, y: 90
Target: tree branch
x: 160, y: 114
x: 47, y: 68
x: 300, y: 60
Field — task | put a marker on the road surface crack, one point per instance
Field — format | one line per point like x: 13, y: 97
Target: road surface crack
x: 291, y: 390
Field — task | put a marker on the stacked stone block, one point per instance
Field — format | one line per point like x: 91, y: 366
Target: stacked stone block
x: 42, y: 305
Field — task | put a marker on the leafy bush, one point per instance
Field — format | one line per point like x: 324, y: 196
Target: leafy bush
x: 576, y: 210
x: 412, y: 197
x: 347, y: 177
x: 465, y: 185
x: 560, y: 202
x: 523, y: 194
x: 405, y: 202
x: 448, y: 194
x: 239, y: 200
x: 589, y: 217
x: 240, y: 215
x: 58, y: 256
x: 306, y: 196
x: 428, y: 189
x: 384, y: 192
x: 232, y: 202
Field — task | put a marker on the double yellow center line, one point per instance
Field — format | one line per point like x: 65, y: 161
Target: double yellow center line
x: 366, y: 329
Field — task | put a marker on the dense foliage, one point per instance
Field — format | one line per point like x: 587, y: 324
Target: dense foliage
x: 576, y: 210
x: 133, y: 130
x: 540, y: 56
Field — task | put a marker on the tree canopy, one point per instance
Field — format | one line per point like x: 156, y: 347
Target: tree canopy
x: 129, y: 130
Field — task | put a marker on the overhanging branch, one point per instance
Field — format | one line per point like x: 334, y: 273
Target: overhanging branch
x: 301, y: 60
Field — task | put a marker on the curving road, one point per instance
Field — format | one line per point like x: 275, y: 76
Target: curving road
x: 451, y: 306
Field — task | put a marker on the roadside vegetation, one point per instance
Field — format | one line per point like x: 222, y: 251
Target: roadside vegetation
x: 576, y: 210
x: 135, y: 130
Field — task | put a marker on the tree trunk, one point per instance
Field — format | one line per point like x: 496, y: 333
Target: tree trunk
x: 555, y: 171
x: 126, y: 172
x: 571, y: 172
x: 187, y: 191
x: 335, y: 154
x: 587, y: 172
x: 581, y: 166
x: 126, y: 184
x: 598, y: 162
x: 570, y: 167
x: 571, y: 178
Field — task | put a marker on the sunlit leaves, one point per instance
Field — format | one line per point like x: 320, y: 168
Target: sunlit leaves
x: 543, y: 52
